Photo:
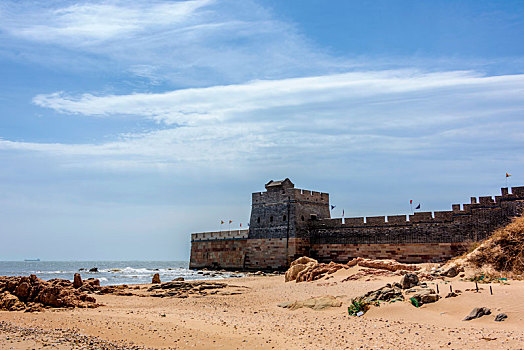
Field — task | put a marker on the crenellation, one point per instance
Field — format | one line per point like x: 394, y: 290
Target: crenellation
x: 375, y: 220
x: 358, y: 221
x: 426, y: 216
x: 518, y: 191
x: 397, y: 220
x: 486, y: 200
x: 443, y: 215
x: 217, y: 235
x: 287, y: 222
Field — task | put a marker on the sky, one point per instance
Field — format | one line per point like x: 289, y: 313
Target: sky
x: 127, y: 125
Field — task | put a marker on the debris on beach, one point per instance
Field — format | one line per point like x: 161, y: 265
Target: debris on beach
x: 33, y: 294
x: 183, y: 289
x: 316, y: 303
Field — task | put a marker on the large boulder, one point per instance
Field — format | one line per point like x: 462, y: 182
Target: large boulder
x: 425, y: 296
x: 292, y: 272
x: 303, y: 260
x: 32, y: 293
x: 451, y: 271
x: 156, y: 278
x: 386, y: 293
x: 409, y: 280
x: 10, y: 302
x: 476, y: 313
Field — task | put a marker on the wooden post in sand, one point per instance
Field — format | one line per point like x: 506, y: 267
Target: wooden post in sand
x: 490, y: 290
x: 476, y: 286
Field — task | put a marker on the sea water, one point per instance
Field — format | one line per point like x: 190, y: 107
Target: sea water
x: 110, y: 272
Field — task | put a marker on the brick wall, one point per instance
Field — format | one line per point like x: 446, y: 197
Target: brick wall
x: 224, y: 254
x: 405, y: 252
x: 285, y: 211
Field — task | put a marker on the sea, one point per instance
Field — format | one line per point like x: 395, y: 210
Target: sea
x: 111, y: 272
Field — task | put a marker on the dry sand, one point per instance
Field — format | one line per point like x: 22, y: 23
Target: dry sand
x: 252, y: 320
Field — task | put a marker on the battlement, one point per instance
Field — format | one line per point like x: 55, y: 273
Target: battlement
x: 287, y: 194
x: 217, y: 235
x: 311, y: 196
x: 287, y: 222
x: 480, y: 205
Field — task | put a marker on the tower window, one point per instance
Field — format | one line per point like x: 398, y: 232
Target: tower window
x: 302, y: 218
x: 258, y: 220
x: 271, y: 218
x: 284, y: 218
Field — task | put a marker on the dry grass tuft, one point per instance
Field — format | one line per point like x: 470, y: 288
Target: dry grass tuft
x: 503, y: 251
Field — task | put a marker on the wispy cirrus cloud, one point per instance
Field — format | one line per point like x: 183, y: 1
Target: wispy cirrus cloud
x: 188, y: 43
x: 386, y: 112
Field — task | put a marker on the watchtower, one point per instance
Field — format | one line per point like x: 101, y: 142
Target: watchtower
x: 283, y: 211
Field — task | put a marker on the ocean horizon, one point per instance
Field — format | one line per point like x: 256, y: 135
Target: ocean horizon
x: 110, y: 272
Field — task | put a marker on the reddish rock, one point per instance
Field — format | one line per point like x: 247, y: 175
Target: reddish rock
x: 32, y: 293
x: 156, y: 278
x: 77, y: 282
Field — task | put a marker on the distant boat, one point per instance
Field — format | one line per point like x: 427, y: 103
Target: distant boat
x: 31, y: 259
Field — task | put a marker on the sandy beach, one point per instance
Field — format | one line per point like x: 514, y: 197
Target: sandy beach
x: 246, y: 315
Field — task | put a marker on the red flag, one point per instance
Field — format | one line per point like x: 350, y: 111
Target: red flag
x: 240, y: 224
x: 221, y: 222
x: 411, y: 201
x: 508, y: 175
x: 230, y: 221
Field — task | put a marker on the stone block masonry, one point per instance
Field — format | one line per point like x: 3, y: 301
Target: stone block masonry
x: 287, y: 223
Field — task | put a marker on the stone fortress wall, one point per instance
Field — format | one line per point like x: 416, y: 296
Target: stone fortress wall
x: 287, y: 223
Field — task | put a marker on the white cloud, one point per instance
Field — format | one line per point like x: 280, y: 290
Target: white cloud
x: 184, y: 42
x: 367, y: 113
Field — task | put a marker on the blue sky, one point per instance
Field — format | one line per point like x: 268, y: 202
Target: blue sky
x: 125, y: 126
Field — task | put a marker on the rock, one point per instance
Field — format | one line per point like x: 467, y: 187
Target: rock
x: 425, y: 296
x: 90, y: 285
x: 409, y: 280
x: 451, y: 295
x: 93, y: 269
x: 292, y: 272
x: 77, y: 282
x: 317, y: 303
x: 384, y: 264
x: 32, y: 293
x: 386, y: 293
x: 477, y: 312
x: 452, y: 271
x: 178, y: 279
x: 500, y: 317
x: 303, y: 260
x: 10, y: 302
x: 156, y: 278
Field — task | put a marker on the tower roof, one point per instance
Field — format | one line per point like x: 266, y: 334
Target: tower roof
x: 286, y: 183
